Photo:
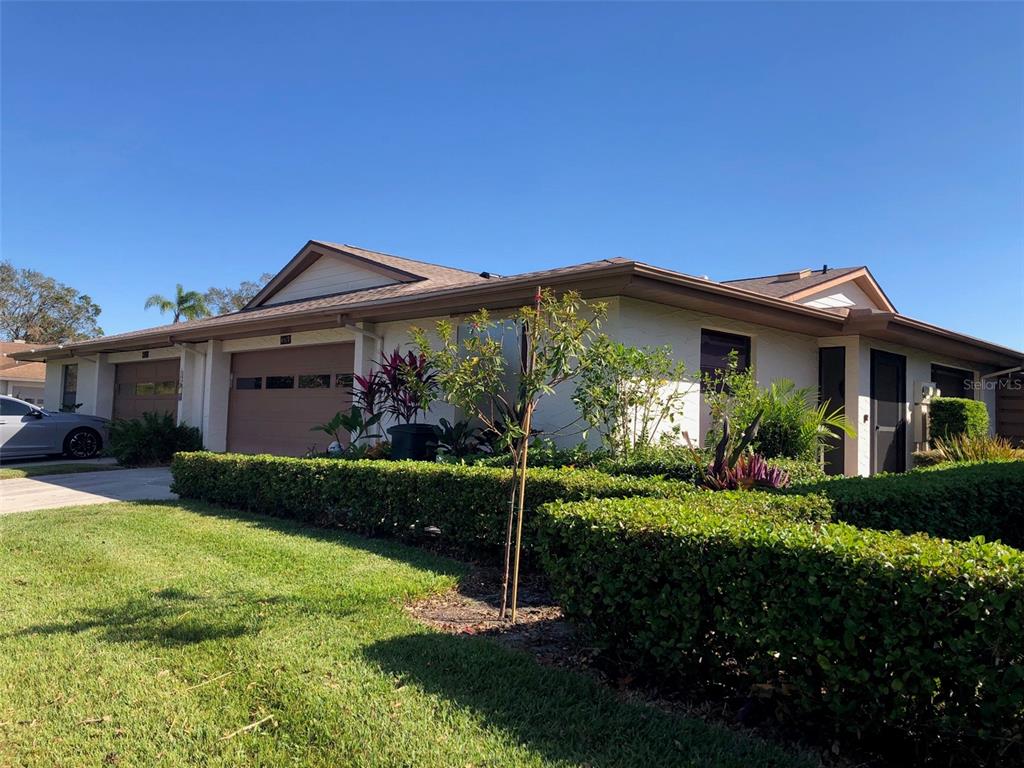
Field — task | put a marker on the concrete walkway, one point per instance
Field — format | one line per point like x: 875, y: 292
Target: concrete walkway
x: 49, y: 491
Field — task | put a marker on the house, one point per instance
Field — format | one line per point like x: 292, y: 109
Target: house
x: 23, y: 380
x: 256, y: 380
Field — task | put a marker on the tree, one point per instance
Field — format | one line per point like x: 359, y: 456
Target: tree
x: 553, y: 336
x: 190, y: 305
x: 37, y: 308
x: 224, y: 300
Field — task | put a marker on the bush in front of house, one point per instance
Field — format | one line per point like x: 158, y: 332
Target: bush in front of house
x: 953, y: 416
x: 952, y: 500
x: 861, y: 633
x: 801, y: 471
x: 153, y: 439
x: 464, y: 506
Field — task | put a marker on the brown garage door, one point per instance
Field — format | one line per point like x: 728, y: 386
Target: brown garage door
x: 278, y: 395
x: 153, y: 385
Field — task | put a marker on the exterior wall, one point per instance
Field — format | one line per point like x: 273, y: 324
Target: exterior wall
x: 328, y: 275
x: 774, y: 354
x: 919, y: 365
x: 23, y: 390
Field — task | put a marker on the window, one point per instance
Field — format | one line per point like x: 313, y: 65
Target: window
x: 144, y: 388
x: 10, y: 407
x: 315, y: 381
x: 715, y: 347
x: 249, y: 382
x: 166, y: 388
x: 280, y: 382
x: 953, y: 382
x: 69, y: 393
x: 344, y: 381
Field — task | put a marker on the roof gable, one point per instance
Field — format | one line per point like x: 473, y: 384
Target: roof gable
x: 836, y: 288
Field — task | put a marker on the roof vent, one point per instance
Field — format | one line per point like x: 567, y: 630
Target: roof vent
x: 485, y: 275
x: 824, y: 268
x: 790, y: 276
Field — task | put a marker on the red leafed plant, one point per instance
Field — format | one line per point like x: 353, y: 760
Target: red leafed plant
x: 737, y: 470
x: 403, y: 386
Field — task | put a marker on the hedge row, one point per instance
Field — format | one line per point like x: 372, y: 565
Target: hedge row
x: 955, y: 501
x: 864, y: 632
x: 953, y: 416
x: 466, y: 505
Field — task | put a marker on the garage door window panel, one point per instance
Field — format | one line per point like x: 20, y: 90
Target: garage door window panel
x: 249, y: 382
x: 280, y: 382
x: 315, y: 381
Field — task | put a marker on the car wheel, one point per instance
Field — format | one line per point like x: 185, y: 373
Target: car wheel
x: 82, y: 444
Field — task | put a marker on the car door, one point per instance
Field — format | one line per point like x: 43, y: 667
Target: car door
x: 23, y: 430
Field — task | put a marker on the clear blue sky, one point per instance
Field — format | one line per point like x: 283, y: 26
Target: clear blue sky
x: 147, y: 144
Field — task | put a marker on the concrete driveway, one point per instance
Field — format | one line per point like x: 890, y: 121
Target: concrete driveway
x: 49, y: 491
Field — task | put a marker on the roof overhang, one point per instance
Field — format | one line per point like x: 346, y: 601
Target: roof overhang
x: 594, y: 280
x: 862, y: 278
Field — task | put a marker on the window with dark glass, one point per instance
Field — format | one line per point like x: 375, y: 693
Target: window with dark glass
x: 69, y: 393
x: 280, y: 382
x: 13, y: 408
x: 315, y: 381
x: 953, y: 382
x: 344, y: 381
x: 166, y: 388
x: 145, y: 388
x: 715, y: 348
x: 249, y: 382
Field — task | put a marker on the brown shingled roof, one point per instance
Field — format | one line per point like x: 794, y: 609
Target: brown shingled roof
x: 780, y: 287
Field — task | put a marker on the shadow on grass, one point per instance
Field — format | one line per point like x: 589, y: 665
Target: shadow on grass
x: 563, y: 715
x: 388, y: 548
x: 170, y: 617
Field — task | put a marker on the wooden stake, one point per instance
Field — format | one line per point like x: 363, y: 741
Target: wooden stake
x: 508, y: 540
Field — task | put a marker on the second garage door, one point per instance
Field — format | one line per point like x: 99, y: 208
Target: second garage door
x: 279, y: 395
x: 151, y: 386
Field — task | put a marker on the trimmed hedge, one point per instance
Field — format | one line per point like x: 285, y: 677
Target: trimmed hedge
x: 952, y: 416
x: 955, y: 501
x: 800, y: 471
x: 861, y: 632
x: 468, y: 505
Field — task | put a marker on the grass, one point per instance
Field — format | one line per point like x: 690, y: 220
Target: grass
x: 54, y: 469
x: 152, y: 633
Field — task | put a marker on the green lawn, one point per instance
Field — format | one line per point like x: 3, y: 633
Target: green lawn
x: 34, y: 470
x: 144, y: 634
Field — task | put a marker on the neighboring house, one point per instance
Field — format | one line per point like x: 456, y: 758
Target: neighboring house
x: 20, y: 379
x: 257, y: 380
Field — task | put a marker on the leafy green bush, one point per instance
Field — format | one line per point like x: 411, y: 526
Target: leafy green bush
x: 952, y: 416
x: 792, y: 426
x: 153, y: 439
x: 955, y: 501
x: 467, y: 505
x: 860, y: 633
x: 800, y: 471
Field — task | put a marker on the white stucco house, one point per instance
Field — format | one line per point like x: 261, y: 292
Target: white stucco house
x: 257, y: 379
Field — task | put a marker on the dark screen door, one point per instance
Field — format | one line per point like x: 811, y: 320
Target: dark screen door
x: 832, y: 390
x: 888, y: 411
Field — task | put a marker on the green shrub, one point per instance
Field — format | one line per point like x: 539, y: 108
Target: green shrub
x: 801, y: 471
x: 955, y: 501
x: 952, y: 416
x: 153, y: 439
x: 468, y: 505
x: 861, y: 633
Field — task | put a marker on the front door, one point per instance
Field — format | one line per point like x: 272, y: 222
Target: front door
x: 888, y: 412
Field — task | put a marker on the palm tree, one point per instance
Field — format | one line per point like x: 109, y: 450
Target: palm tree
x: 189, y: 305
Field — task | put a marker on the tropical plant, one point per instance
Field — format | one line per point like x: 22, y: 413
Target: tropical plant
x: 355, y: 424
x: 792, y: 426
x: 152, y: 439
x: 189, y: 305
x: 628, y: 394
x: 403, y: 386
x: 552, y: 336
x: 459, y: 439
x: 967, y: 448
x: 750, y: 471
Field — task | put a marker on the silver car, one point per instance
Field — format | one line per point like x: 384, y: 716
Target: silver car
x: 27, y: 430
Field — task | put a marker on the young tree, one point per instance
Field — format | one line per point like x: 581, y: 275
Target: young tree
x: 224, y: 300
x: 627, y: 394
x: 190, y: 305
x: 37, y: 308
x: 552, y: 338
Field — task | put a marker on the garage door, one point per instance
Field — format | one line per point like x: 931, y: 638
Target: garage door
x: 279, y: 395
x: 152, y: 385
